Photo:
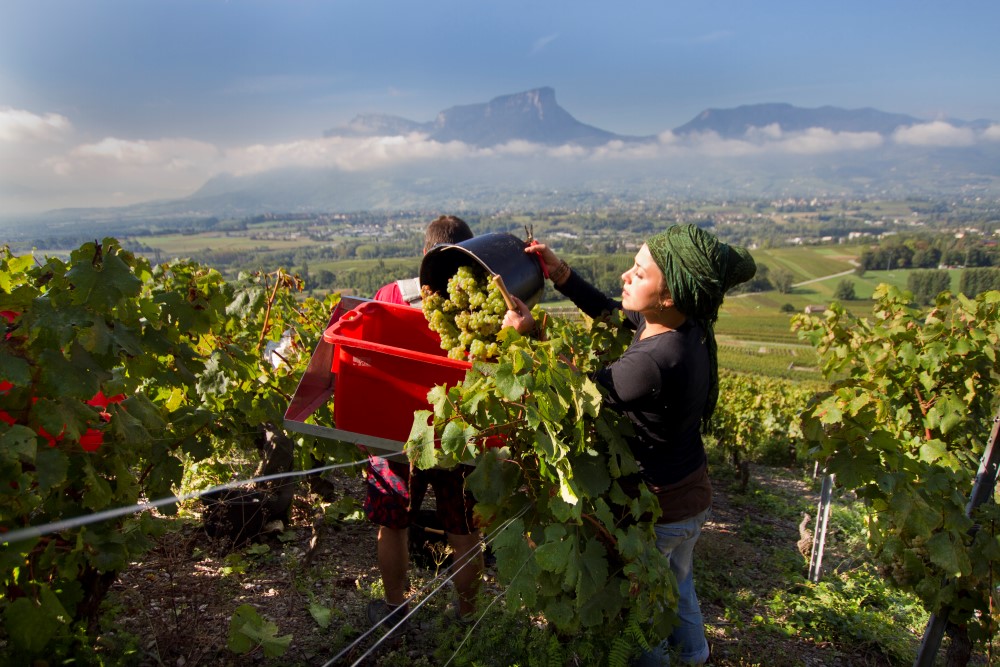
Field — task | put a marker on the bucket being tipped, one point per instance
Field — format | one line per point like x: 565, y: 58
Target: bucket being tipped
x: 498, y: 253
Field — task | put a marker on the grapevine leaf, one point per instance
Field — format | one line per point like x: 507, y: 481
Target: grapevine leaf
x: 603, y: 513
x: 14, y: 369
x: 631, y: 542
x: 109, y: 550
x: 493, y: 480
x: 546, y: 410
x: 438, y: 397
x: 593, y: 570
x: 532, y: 416
x: 552, y: 556
x: 831, y: 413
x: 57, y: 375
x: 98, y: 492
x: 932, y: 450
x: 944, y: 553
x: 604, y: 602
x: 563, y: 511
x: 215, y: 379
x: 508, y: 384
x: 544, y: 445
x: 125, y: 341
x: 456, y: 437
x: 516, y: 565
x: 592, y: 394
x: 32, y: 625
x: 320, y: 614
x: 471, y: 403
x: 130, y: 425
x: 566, y: 487
x: 163, y: 477
x: 273, y: 645
x: 559, y: 612
x: 591, y: 474
x: 246, y: 302
x: 420, y: 443
x: 19, y: 443
x: 858, y: 402
x: 947, y: 413
x: 52, y: 466
x: 103, y: 284
x: 244, y: 616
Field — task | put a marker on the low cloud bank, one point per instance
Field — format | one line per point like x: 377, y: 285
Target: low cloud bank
x: 17, y: 126
x: 44, y: 165
x: 937, y: 133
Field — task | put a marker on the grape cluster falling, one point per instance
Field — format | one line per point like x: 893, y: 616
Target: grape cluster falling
x: 468, y: 319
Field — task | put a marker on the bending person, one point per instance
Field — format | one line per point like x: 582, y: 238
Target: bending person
x: 396, y: 489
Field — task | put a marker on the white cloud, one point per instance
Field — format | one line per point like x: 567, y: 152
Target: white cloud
x: 347, y: 153
x: 116, y: 171
x: 770, y: 139
x: 17, y: 125
x: 768, y: 132
x: 816, y: 141
x: 543, y: 42
x: 166, y: 167
x: 109, y: 172
x: 938, y: 133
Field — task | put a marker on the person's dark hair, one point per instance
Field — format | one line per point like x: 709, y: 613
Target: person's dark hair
x: 446, y: 229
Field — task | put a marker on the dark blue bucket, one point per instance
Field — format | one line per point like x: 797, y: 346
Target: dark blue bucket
x: 497, y: 253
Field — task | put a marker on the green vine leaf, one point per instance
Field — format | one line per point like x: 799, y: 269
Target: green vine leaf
x: 945, y: 554
x: 101, y: 284
x: 248, y: 630
x: 32, y: 625
x: 508, y: 383
x: 18, y: 443
x: 420, y: 444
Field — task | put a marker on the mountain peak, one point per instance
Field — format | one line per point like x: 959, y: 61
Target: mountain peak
x: 734, y: 123
x: 532, y: 115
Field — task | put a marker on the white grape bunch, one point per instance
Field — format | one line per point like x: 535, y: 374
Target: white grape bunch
x: 468, y: 318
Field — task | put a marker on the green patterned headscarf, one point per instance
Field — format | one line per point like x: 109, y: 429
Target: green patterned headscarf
x: 699, y: 269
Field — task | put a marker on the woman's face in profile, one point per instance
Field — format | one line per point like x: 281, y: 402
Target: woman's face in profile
x: 642, y: 285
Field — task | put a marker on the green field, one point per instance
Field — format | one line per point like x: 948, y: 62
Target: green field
x: 183, y: 245
x: 809, y: 262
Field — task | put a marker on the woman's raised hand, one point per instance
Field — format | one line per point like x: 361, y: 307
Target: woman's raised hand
x: 545, y: 253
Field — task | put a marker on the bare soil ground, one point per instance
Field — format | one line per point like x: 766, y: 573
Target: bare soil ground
x: 173, y: 608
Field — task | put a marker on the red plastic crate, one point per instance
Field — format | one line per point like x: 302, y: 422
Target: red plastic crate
x: 386, y: 358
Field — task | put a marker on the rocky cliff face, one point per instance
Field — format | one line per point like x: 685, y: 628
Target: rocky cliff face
x: 533, y: 115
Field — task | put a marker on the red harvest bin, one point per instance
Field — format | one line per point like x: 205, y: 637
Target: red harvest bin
x: 386, y: 358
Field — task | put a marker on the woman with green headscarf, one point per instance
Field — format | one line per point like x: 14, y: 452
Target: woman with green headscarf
x: 666, y: 382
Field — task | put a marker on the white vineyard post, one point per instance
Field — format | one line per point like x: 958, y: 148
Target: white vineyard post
x: 819, y: 537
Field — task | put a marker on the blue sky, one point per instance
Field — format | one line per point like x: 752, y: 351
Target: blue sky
x: 106, y: 102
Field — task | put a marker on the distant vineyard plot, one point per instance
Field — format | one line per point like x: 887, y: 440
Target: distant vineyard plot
x: 809, y: 262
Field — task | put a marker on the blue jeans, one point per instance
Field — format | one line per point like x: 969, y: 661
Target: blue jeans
x: 676, y: 541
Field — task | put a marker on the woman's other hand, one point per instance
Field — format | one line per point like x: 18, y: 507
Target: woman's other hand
x: 521, y: 318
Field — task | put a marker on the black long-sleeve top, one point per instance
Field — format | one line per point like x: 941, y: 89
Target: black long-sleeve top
x: 661, y: 384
